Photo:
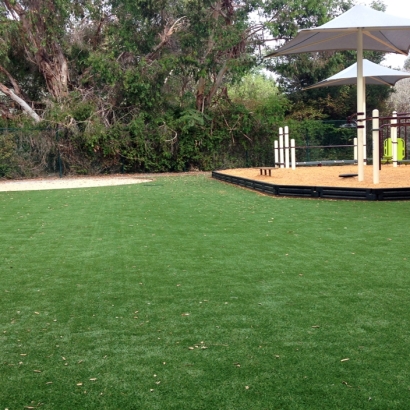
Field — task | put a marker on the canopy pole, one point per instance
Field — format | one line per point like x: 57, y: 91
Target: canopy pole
x: 360, y: 106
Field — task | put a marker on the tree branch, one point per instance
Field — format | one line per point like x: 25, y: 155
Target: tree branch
x: 25, y: 107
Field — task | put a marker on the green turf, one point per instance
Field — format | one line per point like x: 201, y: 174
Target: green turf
x: 117, y: 284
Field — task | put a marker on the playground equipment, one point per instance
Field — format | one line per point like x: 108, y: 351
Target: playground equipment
x: 388, y: 150
x: 282, y: 150
x: 392, y: 146
x: 285, y: 152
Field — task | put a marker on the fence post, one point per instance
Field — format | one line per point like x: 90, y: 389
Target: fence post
x: 60, y: 168
x: 376, y: 153
x: 286, y: 147
x: 355, y: 148
x: 393, y: 134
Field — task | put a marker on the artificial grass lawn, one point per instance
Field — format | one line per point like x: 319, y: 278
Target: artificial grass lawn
x: 105, y: 290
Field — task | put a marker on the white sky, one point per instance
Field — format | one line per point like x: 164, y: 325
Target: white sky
x: 399, y: 8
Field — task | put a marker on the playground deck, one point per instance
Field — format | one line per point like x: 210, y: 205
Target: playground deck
x: 324, y: 182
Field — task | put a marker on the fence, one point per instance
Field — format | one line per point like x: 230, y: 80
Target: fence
x: 27, y: 152
x: 36, y: 151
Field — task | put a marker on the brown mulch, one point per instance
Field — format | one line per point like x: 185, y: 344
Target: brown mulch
x: 390, y: 177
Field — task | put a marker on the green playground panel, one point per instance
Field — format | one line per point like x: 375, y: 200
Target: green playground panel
x: 388, y: 149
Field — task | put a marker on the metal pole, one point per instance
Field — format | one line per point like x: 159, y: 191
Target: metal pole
x: 393, y: 134
x: 360, y: 115
x: 376, y: 153
x: 364, y: 123
x: 286, y: 147
x: 355, y: 148
x: 276, y: 146
x: 60, y: 167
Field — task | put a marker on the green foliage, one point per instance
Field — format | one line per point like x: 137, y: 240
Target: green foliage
x: 154, y: 85
x: 7, y: 154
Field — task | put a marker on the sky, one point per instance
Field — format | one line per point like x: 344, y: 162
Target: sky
x: 399, y: 8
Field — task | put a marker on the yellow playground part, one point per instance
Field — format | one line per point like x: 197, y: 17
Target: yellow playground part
x: 388, y: 150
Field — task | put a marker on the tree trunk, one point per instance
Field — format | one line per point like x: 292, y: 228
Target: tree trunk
x: 41, y: 48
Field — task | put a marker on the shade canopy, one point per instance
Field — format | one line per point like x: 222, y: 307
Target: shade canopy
x: 381, y: 32
x: 360, y: 28
x: 373, y: 74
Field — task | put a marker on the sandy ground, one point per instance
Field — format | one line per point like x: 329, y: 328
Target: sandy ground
x: 67, y: 182
x: 86, y: 182
x: 390, y: 177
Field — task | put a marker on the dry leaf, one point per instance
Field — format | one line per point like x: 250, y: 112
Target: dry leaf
x: 316, y: 326
x: 345, y: 360
x: 191, y: 348
x: 37, y: 313
x: 49, y: 383
x: 151, y: 390
x: 79, y: 384
x: 93, y: 379
x: 37, y: 371
x: 247, y: 387
x: 158, y: 382
x: 185, y: 314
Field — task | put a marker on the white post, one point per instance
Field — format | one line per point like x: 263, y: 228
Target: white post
x: 355, y: 148
x: 376, y: 153
x: 393, y: 134
x: 281, y: 162
x: 364, y: 123
x: 286, y: 147
x: 275, y: 144
x: 293, y: 153
x: 360, y: 129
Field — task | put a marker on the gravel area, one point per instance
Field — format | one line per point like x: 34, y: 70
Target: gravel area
x: 390, y: 177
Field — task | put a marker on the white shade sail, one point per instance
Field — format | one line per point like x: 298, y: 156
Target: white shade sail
x: 360, y: 28
x: 373, y: 74
x: 381, y: 32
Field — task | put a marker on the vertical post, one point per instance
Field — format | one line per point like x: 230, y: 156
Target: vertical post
x: 393, y: 134
x: 276, y: 146
x: 281, y: 162
x: 293, y: 153
x: 60, y: 167
x: 286, y: 147
x: 355, y: 148
x: 376, y: 152
x: 364, y: 123
x: 360, y: 126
